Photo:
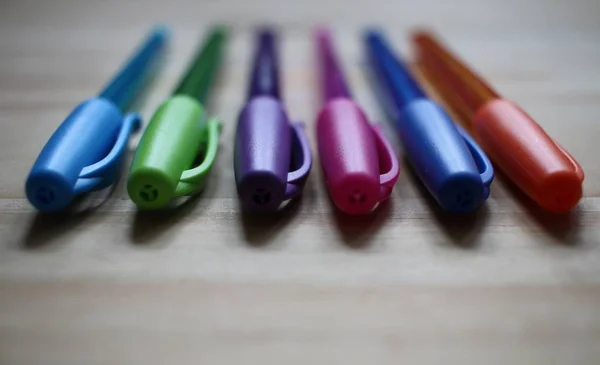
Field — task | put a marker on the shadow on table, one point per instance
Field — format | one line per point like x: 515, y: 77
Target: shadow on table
x: 150, y: 226
x: 47, y: 228
x: 561, y: 228
x: 261, y: 229
x: 463, y: 230
x: 357, y: 231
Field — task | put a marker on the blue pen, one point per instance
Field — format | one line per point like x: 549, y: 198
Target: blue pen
x: 87, y: 150
x: 447, y: 160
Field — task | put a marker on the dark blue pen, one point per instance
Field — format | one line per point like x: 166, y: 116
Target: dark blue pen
x: 447, y: 160
x: 88, y: 149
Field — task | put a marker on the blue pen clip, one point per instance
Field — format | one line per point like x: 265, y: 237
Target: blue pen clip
x: 87, y: 150
x: 447, y: 160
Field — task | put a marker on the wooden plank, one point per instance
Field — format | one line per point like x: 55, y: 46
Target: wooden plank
x: 209, y: 284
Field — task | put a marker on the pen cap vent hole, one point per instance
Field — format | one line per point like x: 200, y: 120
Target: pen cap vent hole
x: 464, y: 193
x: 464, y: 199
x: 148, y: 193
x: 357, y: 197
x: 45, y: 195
x: 261, y: 196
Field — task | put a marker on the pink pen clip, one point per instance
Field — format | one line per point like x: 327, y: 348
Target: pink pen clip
x: 358, y: 162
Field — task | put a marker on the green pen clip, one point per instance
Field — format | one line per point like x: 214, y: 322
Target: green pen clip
x: 163, y: 167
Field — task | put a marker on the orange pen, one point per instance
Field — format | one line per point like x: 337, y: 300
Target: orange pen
x: 514, y: 142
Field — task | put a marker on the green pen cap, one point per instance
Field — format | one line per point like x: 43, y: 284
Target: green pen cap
x: 163, y: 167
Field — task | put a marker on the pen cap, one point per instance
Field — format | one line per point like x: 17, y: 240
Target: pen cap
x: 531, y: 158
x: 84, y: 138
x: 349, y: 157
x: 168, y: 147
x: 262, y: 153
x: 439, y: 155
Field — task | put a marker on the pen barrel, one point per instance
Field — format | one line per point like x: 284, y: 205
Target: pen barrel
x: 528, y: 156
x: 84, y: 138
x: 349, y: 156
x: 263, y: 146
x: 391, y: 73
x: 265, y: 72
x: 332, y: 79
x: 198, y: 80
x: 168, y: 147
x: 122, y: 89
x: 440, y: 156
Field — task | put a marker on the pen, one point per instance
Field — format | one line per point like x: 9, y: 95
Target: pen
x: 359, y: 164
x: 272, y: 156
x: 448, y: 162
x: 87, y: 150
x: 163, y: 166
x: 514, y: 141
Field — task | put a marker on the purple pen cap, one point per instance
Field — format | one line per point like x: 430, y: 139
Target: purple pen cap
x: 272, y: 156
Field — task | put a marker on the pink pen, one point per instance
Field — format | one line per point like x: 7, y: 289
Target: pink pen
x: 358, y: 162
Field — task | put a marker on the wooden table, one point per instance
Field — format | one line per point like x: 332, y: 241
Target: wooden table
x: 209, y: 285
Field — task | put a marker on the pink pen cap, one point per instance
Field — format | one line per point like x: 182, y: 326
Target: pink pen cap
x: 359, y: 164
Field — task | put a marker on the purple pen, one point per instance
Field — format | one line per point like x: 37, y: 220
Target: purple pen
x: 272, y: 155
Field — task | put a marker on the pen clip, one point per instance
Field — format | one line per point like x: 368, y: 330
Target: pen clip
x: 104, y: 172
x: 301, y: 157
x: 484, y: 165
x: 388, y: 165
x: 192, y: 180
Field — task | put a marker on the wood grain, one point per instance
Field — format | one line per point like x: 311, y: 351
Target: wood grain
x: 208, y: 284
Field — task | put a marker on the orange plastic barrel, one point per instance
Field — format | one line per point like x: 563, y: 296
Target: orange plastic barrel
x: 514, y: 142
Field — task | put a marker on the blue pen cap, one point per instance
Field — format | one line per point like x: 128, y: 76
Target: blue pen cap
x: 83, y: 154
x: 448, y: 161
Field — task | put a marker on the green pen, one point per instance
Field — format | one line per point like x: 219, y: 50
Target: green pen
x: 179, y: 130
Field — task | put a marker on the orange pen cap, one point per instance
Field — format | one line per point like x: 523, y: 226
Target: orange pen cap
x: 513, y: 140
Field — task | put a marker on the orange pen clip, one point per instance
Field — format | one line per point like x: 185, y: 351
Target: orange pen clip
x: 514, y: 142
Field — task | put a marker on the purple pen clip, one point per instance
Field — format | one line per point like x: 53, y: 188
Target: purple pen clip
x: 359, y: 164
x: 272, y: 155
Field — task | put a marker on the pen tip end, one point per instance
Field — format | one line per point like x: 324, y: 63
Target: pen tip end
x: 322, y: 32
x: 266, y: 33
x: 221, y: 29
x: 372, y: 30
x: 162, y: 31
x: 372, y: 34
x: 420, y: 34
